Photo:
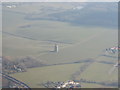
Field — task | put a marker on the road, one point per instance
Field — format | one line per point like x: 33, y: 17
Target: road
x: 21, y: 84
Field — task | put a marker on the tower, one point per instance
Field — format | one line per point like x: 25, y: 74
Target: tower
x: 56, y: 48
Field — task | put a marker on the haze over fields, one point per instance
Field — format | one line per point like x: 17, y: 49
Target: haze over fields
x: 82, y: 32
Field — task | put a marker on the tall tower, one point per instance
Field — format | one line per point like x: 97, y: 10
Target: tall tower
x: 56, y: 48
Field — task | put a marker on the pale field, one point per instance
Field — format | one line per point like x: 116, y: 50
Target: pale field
x: 88, y: 48
x: 17, y: 47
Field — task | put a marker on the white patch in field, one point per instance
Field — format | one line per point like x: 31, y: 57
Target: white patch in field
x: 77, y: 8
x: 12, y: 6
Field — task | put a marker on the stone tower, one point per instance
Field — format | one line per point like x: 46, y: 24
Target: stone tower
x: 56, y: 48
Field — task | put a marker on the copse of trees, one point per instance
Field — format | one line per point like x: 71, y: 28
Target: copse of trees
x: 20, y: 65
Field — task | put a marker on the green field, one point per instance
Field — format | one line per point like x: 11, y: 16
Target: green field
x: 100, y: 72
x: 88, y: 85
x: 36, y: 76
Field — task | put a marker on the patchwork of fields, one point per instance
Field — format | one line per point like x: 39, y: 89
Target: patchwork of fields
x: 79, y: 47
